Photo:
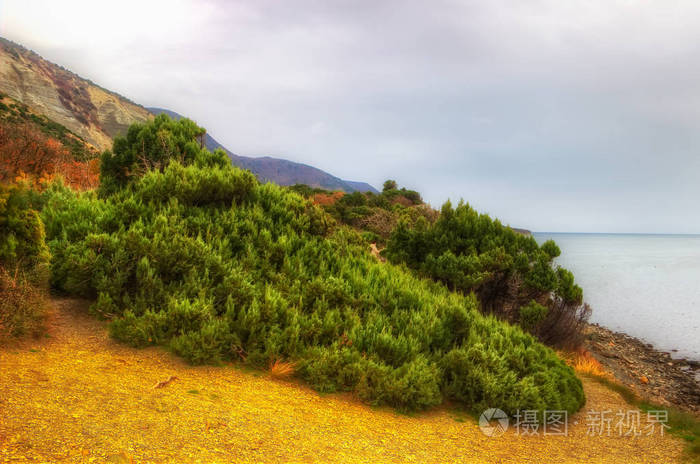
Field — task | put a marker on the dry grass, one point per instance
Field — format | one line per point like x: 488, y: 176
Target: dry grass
x: 279, y: 369
x: 584, y: 363
x: 22, y: 305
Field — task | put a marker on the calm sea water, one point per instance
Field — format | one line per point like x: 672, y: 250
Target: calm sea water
x: 647, y: 286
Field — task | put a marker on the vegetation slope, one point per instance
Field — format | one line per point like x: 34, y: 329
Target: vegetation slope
x: 24, y: 261
x: 513, y: 277
x: 181, y: 249
x: 35, y: 148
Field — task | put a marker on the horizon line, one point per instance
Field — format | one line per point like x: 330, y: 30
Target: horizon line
x: 687, y: 234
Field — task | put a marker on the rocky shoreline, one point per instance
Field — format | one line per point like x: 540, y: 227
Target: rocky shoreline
x: 654, y: 375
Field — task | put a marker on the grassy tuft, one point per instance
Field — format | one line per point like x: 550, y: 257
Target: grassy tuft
x: 281, y: 369
x: 584, y: 363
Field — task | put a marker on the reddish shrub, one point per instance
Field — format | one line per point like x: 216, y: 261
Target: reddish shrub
x: 28, y: 154
x: 325, y: 199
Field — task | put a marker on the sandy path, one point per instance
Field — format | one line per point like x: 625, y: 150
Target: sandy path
x: 79, y: 396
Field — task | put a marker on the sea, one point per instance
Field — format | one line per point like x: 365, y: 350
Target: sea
x: 647, y: 286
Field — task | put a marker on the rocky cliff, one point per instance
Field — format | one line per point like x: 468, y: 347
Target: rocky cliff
x: 93, y: 113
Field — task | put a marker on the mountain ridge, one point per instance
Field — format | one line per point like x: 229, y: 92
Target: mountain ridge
x: 97, y: 115
x: 279, y: 170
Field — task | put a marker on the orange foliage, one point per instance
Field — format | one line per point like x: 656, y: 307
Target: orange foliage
x: 28, y: 154
x: 281, y: 369
x: 325, y: 199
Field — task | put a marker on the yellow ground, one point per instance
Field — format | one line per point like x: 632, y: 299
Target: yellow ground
x: 79, y: 396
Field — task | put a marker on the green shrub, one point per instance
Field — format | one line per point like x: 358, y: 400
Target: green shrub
x: 377, y: 214
x: 204, y: 260
x: 154, y: 145
x: 551, y: 248
x: 389, y: 185
x: 22, y: 244
x: 413, y: 385
x: 470, y: 252
x: 24, y: 263
x: 532, y: 314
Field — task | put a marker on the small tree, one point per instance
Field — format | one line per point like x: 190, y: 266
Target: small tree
x: 152, y: 146
x: 551, y: 248
x: 390, y: 185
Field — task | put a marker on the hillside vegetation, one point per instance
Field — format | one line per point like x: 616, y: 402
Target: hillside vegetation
x: 35, y: 148
x: 376, y: 215
x: 96, y: 115
x: 513, y: 277
x: 181, y: 249
x: 24, y: 261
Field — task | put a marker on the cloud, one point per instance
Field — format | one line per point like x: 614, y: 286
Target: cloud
x: 578, y: 116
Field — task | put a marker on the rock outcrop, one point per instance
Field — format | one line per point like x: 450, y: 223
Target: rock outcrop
x: 654, y: 375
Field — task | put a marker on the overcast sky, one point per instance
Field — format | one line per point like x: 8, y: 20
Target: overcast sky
x: 551, y: 115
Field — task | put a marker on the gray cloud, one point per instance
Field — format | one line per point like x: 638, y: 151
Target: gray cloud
x: 567, y: 116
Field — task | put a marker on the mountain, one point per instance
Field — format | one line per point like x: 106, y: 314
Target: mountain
x: 361, y: 186
x: 91, y: 112
x: 281, y: 171
x: 96, y: 115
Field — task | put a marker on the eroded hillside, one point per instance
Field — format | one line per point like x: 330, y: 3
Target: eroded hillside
x: 88, y: 110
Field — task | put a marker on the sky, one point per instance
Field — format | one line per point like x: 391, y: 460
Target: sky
x: 568, y: 116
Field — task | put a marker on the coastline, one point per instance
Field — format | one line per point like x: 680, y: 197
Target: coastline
x: 653, y: 374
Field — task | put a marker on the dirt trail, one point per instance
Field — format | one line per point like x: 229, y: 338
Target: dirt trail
x: 79, y: 396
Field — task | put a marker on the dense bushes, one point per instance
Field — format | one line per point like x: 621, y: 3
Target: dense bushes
x: 468, y: 252
x: 512, y: 276
x: 21, y: 231
x: 23, y: 263
x: 375, y: 214
x: 22, y: 304
x: 216, y: 266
